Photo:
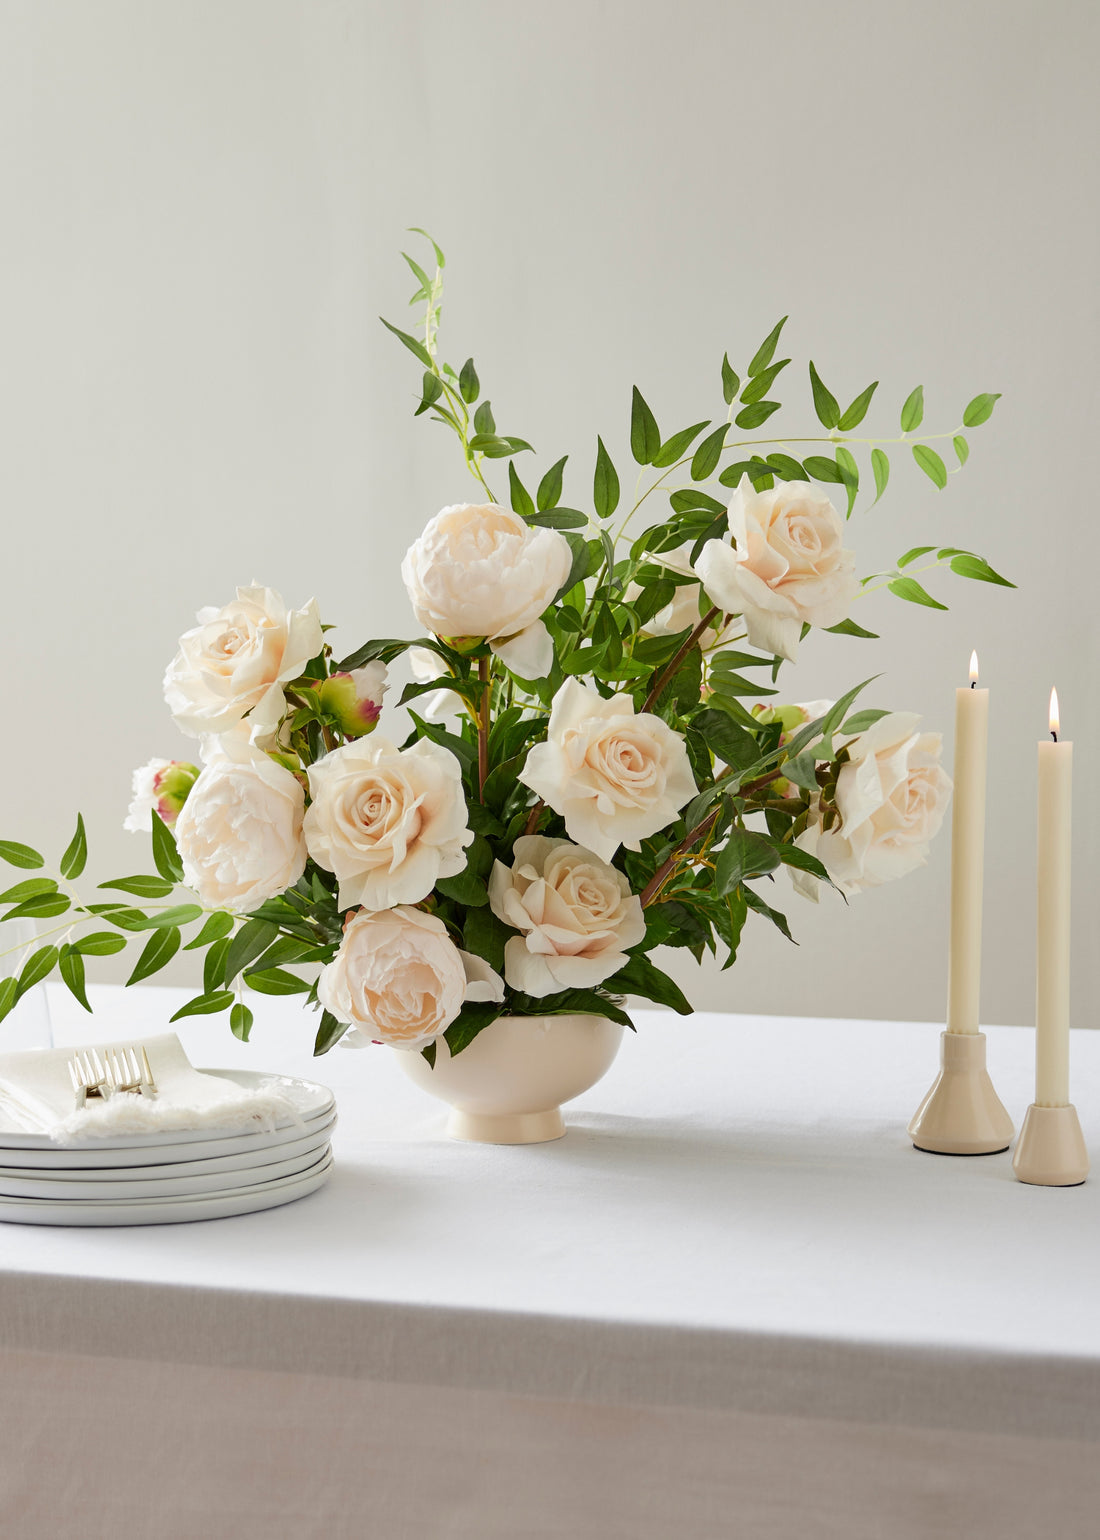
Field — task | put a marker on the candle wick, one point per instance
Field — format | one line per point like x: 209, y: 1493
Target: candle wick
x: 973, y: 682
x: 1054, y: 735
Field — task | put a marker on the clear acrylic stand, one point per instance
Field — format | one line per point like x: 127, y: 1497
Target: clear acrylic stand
x: 28, y: 1025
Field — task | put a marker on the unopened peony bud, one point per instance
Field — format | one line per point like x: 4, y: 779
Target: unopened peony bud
x: 354, y: 701
x: 790, y: 719
x: 162, y: 784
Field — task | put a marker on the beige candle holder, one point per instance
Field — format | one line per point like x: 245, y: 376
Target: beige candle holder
x: 962, y: 1113
x: 1051, y: 1150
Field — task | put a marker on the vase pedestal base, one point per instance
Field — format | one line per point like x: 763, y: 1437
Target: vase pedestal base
x: 507, y: 1127
x: 962, y: 1113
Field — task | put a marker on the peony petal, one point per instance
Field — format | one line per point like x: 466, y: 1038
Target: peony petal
x: 482, y: 982
x: 530, y: 653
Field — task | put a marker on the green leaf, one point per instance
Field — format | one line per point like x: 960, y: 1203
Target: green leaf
x: 120, y: 915
x: 205, y: 1005
x: 470, y: 1020
x: 33, y: 887
x: 570, y: 1002
x: 178, y: 914
x: 277, y: 981
x: 733, y: 745
x: 821, y: 468
x: 549, y: 492
x: 766, y: 351
x: 645, y: 436
x: 849, y: 474
x: 165, y: 856
x: 705, y: 460
x: 20, y: 855
x: 909, y: 588
x: 912, y: 413
x: 962, y: 448
x: 862, y: 720
x: 849, y: 628
x: 217, y: 925
x: 825, y: 403
x: 605, y: 483
x: 756, y: 415
x: 141, y: 887
x: 803, y: 861
x: 969, y: 566
x: 9, y: 993
x: 416, y: 348
x: 931, y: 464
x: 484, y: 422
x: 254, y: 937
x: 468, y: 383
x: 439, y: 257
x: 980, y: 409
x: 730, y: 382
x: 858, y: 409
x: 758, y: 388
x: 431, y: 388
x: 240, y: 1021
x: 43, y: 906
x: 38, y: 966
x: 76, y: 855
x: 329, y: 1033
x: 213, y: 964
x: 672, y: 449
x: 495, y: 447
x: 745, y: 854
x: 559, y: 518
x: 911, y: 556
x: 754, y: 901
x: 160, y: 948
x: 101, y: 943
x: 641, y: 977
x: 71, y: 968
x: 786, y: 467
x: 880, y: 465
x: 520, y: 497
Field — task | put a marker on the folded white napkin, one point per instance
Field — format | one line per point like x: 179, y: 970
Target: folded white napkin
x: 36, y: 1096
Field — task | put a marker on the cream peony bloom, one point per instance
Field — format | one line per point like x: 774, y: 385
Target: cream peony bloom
x: 240, y: 832
x: 577, y: 915
x: 235, y: 660
x: 786, y: 566
x: 892, y: 797
x: 614, y: 776
x: 480, y: 571
x: 389, y: 822
x: 399, y: 978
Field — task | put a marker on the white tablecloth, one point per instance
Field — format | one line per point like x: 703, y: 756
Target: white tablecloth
x: 732, y: 1301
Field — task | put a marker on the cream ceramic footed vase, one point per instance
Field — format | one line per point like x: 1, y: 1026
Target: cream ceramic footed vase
x: 507, y: 1086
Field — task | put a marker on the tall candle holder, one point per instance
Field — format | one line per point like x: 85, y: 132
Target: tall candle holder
x: 962, y: 1113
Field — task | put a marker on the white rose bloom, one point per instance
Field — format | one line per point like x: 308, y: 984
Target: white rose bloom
x: 892, y: 796
x: 437, y: 705
x: 236, y: 660
x: 240, y: 832
x: 577, y: 915
x: 785, y: 567
x: 480, y: 571
x: 399, y: 978
x: 614, y: 776
x: 389, y: 822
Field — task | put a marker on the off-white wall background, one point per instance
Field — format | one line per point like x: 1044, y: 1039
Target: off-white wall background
x: 201, y: 207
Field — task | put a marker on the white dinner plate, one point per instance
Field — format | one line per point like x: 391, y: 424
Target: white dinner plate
x: 312, y: 1102
x: 166, y: 1211
x: 252, y: 1159
x: 191, y: 1183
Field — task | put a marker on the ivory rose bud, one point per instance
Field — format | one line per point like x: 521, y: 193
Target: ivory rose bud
x: 891, y: 796
x: 399, y: 978
x: 354, y: 700
x: 786, y: 566
x: 614, y: 775
x: 481, y: 571
x: 236, y: 659
x: 577, y: 914
x: 163, y: 785
x: 790, y: 719
x: 389, y: 822
x: 240, y: 832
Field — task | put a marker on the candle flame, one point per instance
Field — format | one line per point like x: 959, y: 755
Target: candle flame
x: 973, y: 668
x: 1054, y: 718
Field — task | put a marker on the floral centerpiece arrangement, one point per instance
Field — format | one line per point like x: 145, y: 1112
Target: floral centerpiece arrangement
x: 598, y: 758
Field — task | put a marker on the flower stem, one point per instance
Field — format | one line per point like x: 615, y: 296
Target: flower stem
x: 660, y: 876
x: 483, y: 727
x: 678, y: 657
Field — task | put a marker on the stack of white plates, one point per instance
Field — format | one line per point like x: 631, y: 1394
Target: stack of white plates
x: 169, y: 1178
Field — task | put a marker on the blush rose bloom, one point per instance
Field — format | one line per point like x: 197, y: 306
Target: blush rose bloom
x: 389, y: 822
x: 892, y: 797
x: 240, y: 832
x: 614, y: 776
x: 482, y: 572
x: 786, y: 566
x: 236, y: 660
x: 577, y: 915
x: 398, y: 978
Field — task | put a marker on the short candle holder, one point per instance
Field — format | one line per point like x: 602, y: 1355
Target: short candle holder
x: 962, y: 1113
x: 1051, y: 1151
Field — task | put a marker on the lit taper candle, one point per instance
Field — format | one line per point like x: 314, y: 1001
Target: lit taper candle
x: 1052, y: 932
x: 964, y: 962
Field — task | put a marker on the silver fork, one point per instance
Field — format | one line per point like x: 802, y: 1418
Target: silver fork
x: 88, y: 1076
x: 128, y: 1069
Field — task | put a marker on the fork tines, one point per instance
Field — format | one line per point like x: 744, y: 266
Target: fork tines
x: 120, y: 1070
